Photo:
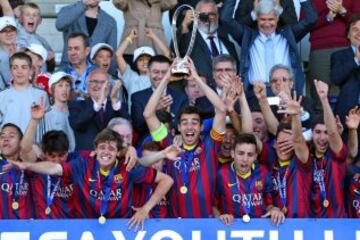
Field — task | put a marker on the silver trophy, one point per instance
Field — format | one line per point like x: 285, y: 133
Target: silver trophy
x: 180, y: 69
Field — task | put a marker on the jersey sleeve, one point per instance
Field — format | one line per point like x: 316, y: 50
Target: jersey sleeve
x: 306, y: 167
x: 143, y: 175
x: 341, y: 155
x: 162, y: 136
x: 268, y: 190
x: 75, y: 168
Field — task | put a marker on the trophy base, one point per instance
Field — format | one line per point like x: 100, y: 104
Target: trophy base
x: 180, y: 72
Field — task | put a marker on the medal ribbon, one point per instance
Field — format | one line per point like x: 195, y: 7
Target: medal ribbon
x: 51, y: 194
x: 281, y: 184
x: 107, y: 190
x: 246, y: 207
x: 321, y: 177
x: 186, y: 160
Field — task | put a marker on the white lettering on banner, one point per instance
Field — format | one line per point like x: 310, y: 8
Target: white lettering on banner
x: 54, y: 236
x: 86, y: 236
x: 247, y: 235
x: 221, y: 235
x: 328, y: 235
x: 298, y: 235
x: 166, y: 234
x: 357, y: 235
x: 15, y: 235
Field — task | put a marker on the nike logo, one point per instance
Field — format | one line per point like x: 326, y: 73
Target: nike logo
x: 1, y: 173
x: 91, y: 180
x: 356, y: 191
x: 231, y: 184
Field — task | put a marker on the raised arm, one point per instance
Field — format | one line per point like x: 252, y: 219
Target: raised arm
x: 352, y: 122
x: 121, y: 63
x: 271, y: 121
x: 69, y: 14
x: 246, y: 120
x: 335, y: 141
x: 304, y: 26
x: 171, y: 153
x: 220, y: 108
x: 235, y: 28
x: 163, y: 47
x: 27, y: 152
x: 6, y: 8
x: 121, y: 4
x: 293, y: 108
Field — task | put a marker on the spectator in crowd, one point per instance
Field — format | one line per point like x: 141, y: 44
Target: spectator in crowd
x: 138, y: 79
x: 38, y: 56
x: 17, y: 100
x: 145, y: 17
x: 15, y: 204
x: 101, y: 54
x: 172, y: 100
x: 245, y: 13
x: 326, y: 38
x: 123, y: 127
x: 90, y: 202
x: 211, y: 39
x: 193, y: 90
x: 329, y: 162
x: 79, y: 67
x: 87, y: 17
x: 232, y: 186
x: 193, y: 164
x: 345, y: 72
x: 88, y: 117
x: 259, y: 124
x: 8, y: 47
x: 264, y: 47
x: 29, y: 17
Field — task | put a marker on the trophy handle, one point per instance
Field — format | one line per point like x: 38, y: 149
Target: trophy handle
x: 174, y: 30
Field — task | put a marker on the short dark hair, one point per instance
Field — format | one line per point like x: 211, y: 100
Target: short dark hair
x: 82, y: 35
x: 164, y: 116
x: 150, y: 146
x: 55, y: 141
x: 109, y: 135
x: 20, y: 56
x: 190, y: 110
x: 159, y: 59
x: 353, y: 19
x: 317, y: 119
x: 282, y: 126
x: 247, y: 138
x: 224, y: 58
x: 13, y: 126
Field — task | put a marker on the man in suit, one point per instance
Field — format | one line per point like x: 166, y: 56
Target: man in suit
x: 211, y: 39
x: 88, y: 117
x: 172, y: 100
x: 245, y: 13
x: 267, y: 45
x: 345, y: 70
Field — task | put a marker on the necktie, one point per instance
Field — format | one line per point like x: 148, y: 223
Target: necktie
x: 214, y: 50
x: 269, y: 55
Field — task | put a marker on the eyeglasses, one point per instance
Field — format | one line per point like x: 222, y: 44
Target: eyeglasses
x: 283, y: 79
x: 97, y: 82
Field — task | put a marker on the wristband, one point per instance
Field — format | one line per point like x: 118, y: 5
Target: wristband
x: 130, y: 41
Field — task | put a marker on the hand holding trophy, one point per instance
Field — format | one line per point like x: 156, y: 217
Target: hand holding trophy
x: 180, y: 69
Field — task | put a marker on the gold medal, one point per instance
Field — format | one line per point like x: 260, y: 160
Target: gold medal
x: 102, y: 219
x: 47, y: 210
x: 15, y: 205
x: 183, y: 189
x: 326, y: 203
x: 246, y: 218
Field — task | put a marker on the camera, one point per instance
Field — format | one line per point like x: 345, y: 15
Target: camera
x: 204, y: 17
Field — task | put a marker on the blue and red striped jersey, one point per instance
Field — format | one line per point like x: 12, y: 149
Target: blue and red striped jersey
x: 96, y: 191
x: 198, y: 200
x: 15, y: 195
x: 297, y: 183
x: 142, y: 193
x: 354, y: 198
x: 237, y: 194
x: 331, y: 167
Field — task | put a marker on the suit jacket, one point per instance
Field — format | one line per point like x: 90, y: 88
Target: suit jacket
x: 141, y: 98
x: 87, y: 123
x: 201, y: 54
x: 246, y: 36
x: 243, y: 13
x: 345, y: 73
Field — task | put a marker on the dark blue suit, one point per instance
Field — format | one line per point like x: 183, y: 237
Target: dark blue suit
x: 141, y: 98
x: 345, y: 73
x: 87, y: 123
x: 201, y: 54
x: 246, y: 36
